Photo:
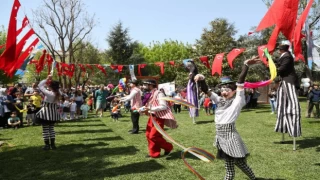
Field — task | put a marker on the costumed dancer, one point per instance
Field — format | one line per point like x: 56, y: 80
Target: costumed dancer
x: 230, y: 146
x: 192, y: 94
x: 162, y: 114
x: 288, y: 107
x: 49, y: 114
x: 135, y: 101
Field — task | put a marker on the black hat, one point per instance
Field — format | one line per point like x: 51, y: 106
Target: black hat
x: 54, y: 85
x: 150, y: 81
x: 226, y: 80
x: 284, y: 47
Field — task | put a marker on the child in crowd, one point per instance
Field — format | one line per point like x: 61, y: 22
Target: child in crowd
x: 115, y: 111
x: 84, y: 108
x: 66, y: 108
x: 37, y: 99
x: 31, y: 110
x: 90, y: 102
x: 73, y: 109
x: 14, y: 121
x: 206, y: 104
x: 18, y: 103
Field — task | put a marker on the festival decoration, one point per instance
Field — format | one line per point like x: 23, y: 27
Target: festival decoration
x: 122, y: 84
x: 233, y: 54
x: 260, y: 52
x: 140, y: 66
x: 101, y: 69
x: 131, y: 69
x: 171, y: 63
x: 205, y: 61
x: 9, y: 53
x: 25, y: 22
x: 40, y: 64
x: 217, y: 64
x: 297, y: 32
x: 273, y: 73
x: 199, y: 153
x: 161, y: 65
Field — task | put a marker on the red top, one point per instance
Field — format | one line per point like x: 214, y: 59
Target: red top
x: 206, y: 103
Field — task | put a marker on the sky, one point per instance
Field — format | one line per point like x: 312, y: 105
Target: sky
x: 156, y: 20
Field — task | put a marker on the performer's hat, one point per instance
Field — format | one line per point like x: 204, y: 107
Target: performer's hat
x: 226, y: 80
x: 54, y: 85
x: 150, y: 81
x: 284, y: 47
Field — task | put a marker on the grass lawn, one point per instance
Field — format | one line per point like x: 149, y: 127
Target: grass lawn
x: 97, y: 148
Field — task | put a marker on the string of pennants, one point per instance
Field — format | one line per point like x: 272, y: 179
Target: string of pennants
x: 14, y: 58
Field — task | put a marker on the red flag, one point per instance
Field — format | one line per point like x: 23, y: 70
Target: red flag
x: 161, y: 65
x: 233, y: 54
x: 260, y: 52
x: 23, y: 56
x: 120, y: 67
x: 139, y: 68
x: 101, y: 69
x: 297, y: 31
x: 217, y: 64
x: 249, y: 33
x: 83, y: 69
x: 114, y: 67
x: 89, y: 66
x: 273, y: 39
x: 2, y: 46
x: 282, y: 13
x: 49, y: 63
x: 25, y: 22
x: 171, y: 63
x: 205, y: 61
x: 9, y: 54
x: 22, y: 42
x: 72, y: 68
x: 40, y: 64
x: 58, y: 69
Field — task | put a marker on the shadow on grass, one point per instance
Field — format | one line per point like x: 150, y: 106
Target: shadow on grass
x: 205, y: 122
x: 115, y: 138
x: 314, y: 121
x: 177, y: 155
x: 5, y: 139
x: 72, y: 161
x: 304, y: 143
x: 84, y: 131
x: 83, y: 125
x: 265, y: 111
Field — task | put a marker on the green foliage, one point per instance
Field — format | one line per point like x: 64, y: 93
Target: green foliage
x: 169, y: 50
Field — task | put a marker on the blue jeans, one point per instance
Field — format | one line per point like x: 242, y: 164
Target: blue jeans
x: 273, y: 104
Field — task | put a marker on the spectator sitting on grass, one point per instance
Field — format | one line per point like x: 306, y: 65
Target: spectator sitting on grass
x: 14, y: 121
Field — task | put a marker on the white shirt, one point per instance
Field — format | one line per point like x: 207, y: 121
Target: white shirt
x: 230, y: 114
x: 66, y: 103
x: 130, y: 96
x: 73, y: 106
x: 49, y: 96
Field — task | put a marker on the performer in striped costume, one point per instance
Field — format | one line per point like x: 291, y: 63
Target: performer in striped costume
x: 163, y: 116
x: 288, y: 107
x: 135, y: 98
x: 49, y: 114
x: 230, y: 146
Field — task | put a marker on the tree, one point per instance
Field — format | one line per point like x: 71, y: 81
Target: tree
x: 4, y: 79
x: 169, y: 50
x: 63, y: 25
x: 121, y: 45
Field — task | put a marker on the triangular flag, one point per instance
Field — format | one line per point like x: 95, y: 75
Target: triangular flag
x: 161, y: 65
x: 140, y: 66
x: 217, y: 64
x: 205, y: 61
x: 233, y: 54
x: 171, y: 63
x: 101, y: 69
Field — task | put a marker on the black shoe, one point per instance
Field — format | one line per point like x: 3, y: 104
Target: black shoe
x: 46, y: 146
x: 53, y: 145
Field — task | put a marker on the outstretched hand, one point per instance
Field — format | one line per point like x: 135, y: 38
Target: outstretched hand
x: 253, y: 60
x: 198, y: 77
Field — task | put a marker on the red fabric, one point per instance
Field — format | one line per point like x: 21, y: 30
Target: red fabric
x: 23, y: 57
x: 217, y: 64
x: 25, y: 22
x: 2, y: 46
x: 72, y: 68
x: 9, y: 53
x: 83, y: 69
x: 297, y: 32
x: 49, y: 63
x: 249, y: 33
x: 90, y: 67
x: 161, y: 65
x: 205, y: 61
x: 282, y: 13
x: 58, y: 69
x: 233, y: 54
x: 40, y: 65
x: 120, y: 68
x: 101, y: 69
x: 23, y: 41
x: 139, y: 68
x: 171, y: 63
x: 114, y: 67
x: 155, y: 140
x: 260, y: 52
x: 273, y: 39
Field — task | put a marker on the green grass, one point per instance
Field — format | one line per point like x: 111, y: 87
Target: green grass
x: 98, y: 148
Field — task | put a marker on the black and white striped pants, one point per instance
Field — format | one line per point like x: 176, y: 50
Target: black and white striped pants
x: 288, y: 110
x: 48, y: 131
x: 240, y: 163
